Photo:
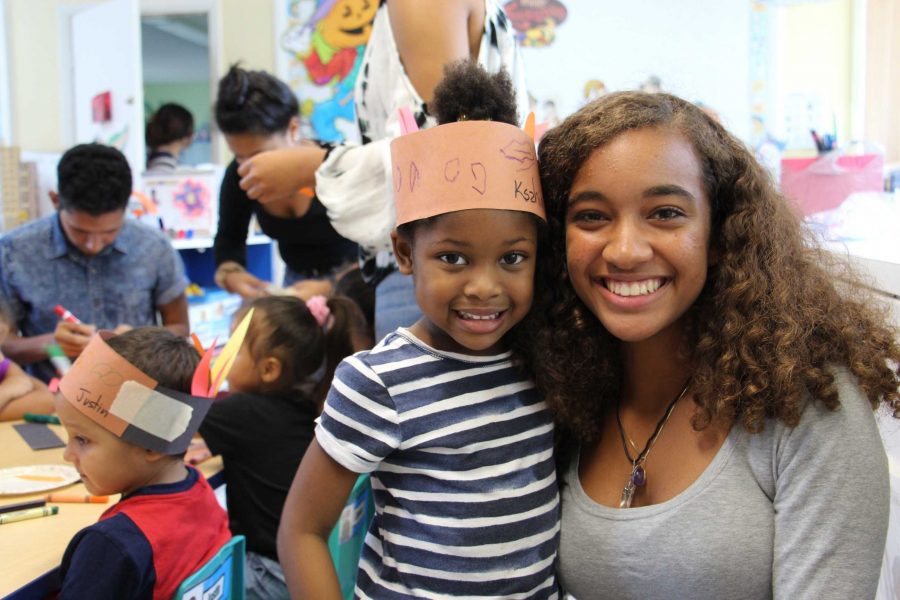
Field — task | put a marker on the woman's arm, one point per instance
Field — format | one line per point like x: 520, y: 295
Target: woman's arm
x: 431, y: 33
x: 831, y: 502
x: 313, y: 506
x: 277, y: 174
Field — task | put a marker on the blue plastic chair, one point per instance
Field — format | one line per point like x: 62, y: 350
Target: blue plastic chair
x: 349, y: 534
x: 222, y: 577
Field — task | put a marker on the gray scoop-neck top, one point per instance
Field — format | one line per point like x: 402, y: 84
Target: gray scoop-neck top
x: 785, y: 513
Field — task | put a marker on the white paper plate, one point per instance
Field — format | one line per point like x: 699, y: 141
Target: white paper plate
x: 36, y: 478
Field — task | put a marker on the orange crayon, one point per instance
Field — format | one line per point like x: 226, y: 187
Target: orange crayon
x: 28, y: 477
x: 78, y: 498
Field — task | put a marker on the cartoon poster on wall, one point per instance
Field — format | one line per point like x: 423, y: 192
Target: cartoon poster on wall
x: 535, y: 21
x: 320, y: 49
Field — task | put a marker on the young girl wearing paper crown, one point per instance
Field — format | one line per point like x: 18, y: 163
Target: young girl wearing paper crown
x: 458, y: 444
x: 263, y: 427
x: 130, y: 405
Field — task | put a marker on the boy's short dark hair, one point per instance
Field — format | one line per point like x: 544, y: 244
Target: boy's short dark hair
x: 94, y: 179
x: 164, y: 356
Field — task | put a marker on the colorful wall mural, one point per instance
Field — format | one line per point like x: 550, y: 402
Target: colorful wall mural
x: 321, y: 46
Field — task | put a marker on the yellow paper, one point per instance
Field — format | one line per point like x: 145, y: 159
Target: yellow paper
x: 225, y: 360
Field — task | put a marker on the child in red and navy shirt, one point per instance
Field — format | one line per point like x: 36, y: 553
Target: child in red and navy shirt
x: 168, y: 522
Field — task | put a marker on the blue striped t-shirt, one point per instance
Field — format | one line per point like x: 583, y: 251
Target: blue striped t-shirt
x: 460, y: 451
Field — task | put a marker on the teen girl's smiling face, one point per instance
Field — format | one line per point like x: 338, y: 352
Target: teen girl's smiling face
x: 637, y: 233
x: 473, y: 272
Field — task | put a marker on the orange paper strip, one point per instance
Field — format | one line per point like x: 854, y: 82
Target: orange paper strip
x: 529, y: 126
x: 197, y: 344
x: 465, y: 165
x: 94, y: 380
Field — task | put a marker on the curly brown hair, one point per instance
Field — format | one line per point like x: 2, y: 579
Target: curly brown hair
x: 771, y: 321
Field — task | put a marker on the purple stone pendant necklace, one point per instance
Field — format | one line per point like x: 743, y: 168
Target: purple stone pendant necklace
x: 638, y: 477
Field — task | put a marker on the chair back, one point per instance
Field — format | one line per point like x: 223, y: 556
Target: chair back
x: 349, y: 534
x: 221, y: 578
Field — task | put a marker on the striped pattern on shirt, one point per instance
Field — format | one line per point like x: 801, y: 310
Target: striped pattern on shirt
x: 460, y: 450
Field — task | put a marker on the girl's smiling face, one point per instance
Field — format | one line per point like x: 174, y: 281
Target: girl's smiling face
x: 473, y: 272
x: 638, y: 231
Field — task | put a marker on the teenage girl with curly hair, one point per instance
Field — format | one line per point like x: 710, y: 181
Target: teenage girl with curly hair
x: 713, y: 372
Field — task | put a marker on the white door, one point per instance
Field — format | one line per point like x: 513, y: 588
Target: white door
x: 106, y: 73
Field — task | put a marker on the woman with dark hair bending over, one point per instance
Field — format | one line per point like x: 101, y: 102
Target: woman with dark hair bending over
x: 258, y: 112
x: 712, y: 378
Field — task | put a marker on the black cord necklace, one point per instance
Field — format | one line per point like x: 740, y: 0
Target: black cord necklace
x: 638, y: 477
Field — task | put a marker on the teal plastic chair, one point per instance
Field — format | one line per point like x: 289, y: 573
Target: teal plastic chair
x: 349, y: 534
x: 222, y: 577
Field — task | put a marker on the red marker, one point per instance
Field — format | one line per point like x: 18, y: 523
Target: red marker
x: 65, y: 315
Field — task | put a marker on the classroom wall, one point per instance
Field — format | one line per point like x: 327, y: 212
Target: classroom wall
x: 813, y: 77
x: 248, y: 34
x: 33, y: 38
x: 34, y: 71
x: 699, y: 48
x: 882, y: 95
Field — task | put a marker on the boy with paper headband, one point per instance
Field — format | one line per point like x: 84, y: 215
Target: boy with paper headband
x: 458, y: 443
x: 128, y: 409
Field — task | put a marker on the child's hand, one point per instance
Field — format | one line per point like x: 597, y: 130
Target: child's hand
x: 122, y: 328
x: 73, y: 337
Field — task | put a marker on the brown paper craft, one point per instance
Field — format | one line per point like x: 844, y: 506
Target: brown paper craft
x: 465, y: 165
x: 125, y: 401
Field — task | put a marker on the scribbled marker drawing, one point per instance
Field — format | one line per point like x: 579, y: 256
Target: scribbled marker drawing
x: 107, y: 374
x: 451, y: 170
x: 521, y: 152
x: 413, y: 176
x: 479, y: 174
x: 398, y: 178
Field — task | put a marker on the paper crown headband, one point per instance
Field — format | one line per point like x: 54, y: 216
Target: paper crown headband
x: 130, y: 404
x: 464, y: 165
